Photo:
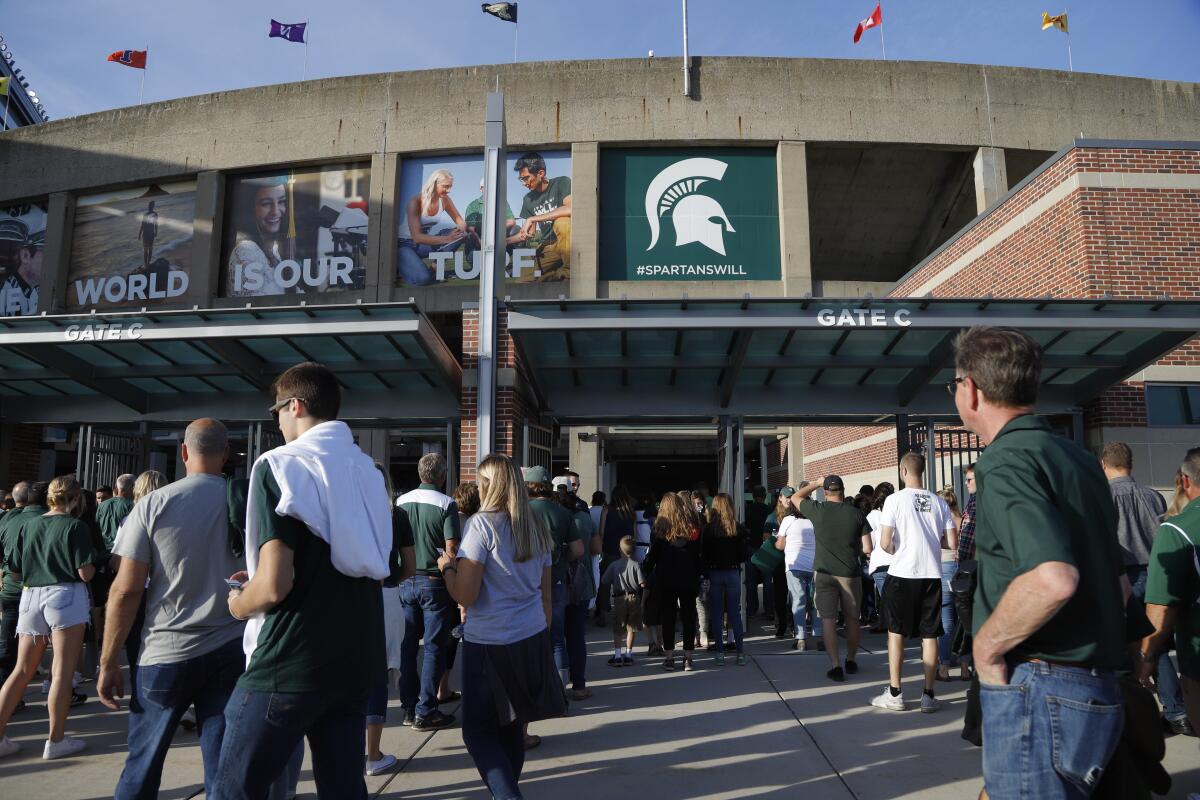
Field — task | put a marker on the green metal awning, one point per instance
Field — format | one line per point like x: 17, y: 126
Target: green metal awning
x: 816, y: 359
x: 178, y: 365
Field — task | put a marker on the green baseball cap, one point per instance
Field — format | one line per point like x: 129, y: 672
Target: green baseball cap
x: 535, y: 475
x: 787, y: 491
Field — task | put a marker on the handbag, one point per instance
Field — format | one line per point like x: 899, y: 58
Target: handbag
x: 580, y: 590
x: 767, y: 558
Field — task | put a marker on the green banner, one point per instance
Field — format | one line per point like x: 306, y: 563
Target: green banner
x: 689, y: 214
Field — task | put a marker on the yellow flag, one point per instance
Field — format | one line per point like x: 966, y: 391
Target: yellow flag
x: 1059, y: 22
x: 4, y: 85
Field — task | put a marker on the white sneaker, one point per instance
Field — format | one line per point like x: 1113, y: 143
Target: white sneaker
x: 929, y: 704
x: 382, y: 765
x: 885, y: 700
x: 69, y: 746
x: 8, y: 747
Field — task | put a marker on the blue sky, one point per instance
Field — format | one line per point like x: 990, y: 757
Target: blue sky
x: 214, y: 45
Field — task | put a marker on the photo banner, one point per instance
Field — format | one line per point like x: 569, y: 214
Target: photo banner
x: 689, y: 214
x: 296, y: 231
x: 441, y: 219
x: 132, y: 247
x: 22, y: 241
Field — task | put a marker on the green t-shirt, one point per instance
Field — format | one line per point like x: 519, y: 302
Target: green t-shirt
x: 1041, y: 498
x: 328, y: 631
x: 558, y: 190
x: 9, y: 527
x: 51, y: 549
x: 1173, y: 579
x: 561, y: 524
x: 838, y: 529
x: 109, y: 516
x: 433, y: 519
x: 474, y: 214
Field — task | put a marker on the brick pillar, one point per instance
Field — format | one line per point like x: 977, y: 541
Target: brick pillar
x: 511, y: 407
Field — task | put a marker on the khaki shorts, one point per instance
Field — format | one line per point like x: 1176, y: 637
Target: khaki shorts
x: 830, y: 591
x: 627, y: 610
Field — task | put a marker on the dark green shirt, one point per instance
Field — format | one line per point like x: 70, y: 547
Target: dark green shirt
x: 838, y: 529
x: 535, y: 202
x: 1041, y: 498
x: 756, y: 520
x: 433, y: 519
x: 561, y: 524
x: 51, y: 549
x: 9, y: 526
x: 328, y: 631
x: 109, y: 516
x: 1173, y: 579
x: 402, y: 537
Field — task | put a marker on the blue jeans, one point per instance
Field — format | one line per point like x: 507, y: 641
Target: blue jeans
x: 497, y: 750
x: 949, y: 616
x: 1049, y: 732
x: 426, y: 605
x: 165, y: 692
x: 264, y: 729
x: 724, y: 597
x: 568, y: 636
x: 377, y: 705
x: 804, y: 613
x: 1170, y: 694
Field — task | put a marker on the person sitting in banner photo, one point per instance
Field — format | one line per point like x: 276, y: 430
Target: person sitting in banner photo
x: 546, y: 210
x: 261, y: 238
x: 430, y: 223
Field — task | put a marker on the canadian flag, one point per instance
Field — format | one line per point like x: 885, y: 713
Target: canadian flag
x: 876, y: 18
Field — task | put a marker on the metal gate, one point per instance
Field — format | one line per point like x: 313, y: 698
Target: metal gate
x: 101, y: 456
x: 537, y: 445
x: 948, y: 452
x: 259, y: 439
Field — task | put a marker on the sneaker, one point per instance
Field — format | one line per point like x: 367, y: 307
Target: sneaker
x: 382, y: 765
x: 929, y: 704
x: 579, y: 695
x: 8, y: 747
x: 887, y: 701
x: 188, y: 720
x: 78, y: 699
x: 433, y: 721
x: 669, y: 664
x: 821, y: 645
x: 616, y: 661
x: 76, y: 679
x: 836, y: 674
x: 798, y: 644
x: 69, y: 746
x: 851, y: 666
x: 688, y: 666
x: 627, y: 660
x: 741, y: 659
x: 719, y: 660
x: 1177, y: 727
x: 409, y: 716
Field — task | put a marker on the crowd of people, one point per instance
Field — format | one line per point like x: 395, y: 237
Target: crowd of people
x: 268, y: 611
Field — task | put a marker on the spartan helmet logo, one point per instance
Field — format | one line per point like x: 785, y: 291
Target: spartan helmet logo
x: 694, y: 215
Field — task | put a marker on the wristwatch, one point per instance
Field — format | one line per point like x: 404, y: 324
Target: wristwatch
x: 447, y: 568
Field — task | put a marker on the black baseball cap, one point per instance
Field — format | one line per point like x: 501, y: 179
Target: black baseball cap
x: 833, y: 483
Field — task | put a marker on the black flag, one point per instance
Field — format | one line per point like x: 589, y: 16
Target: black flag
x: 504, y: 11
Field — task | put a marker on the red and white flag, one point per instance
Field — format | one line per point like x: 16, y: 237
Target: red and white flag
x: 876, y: 18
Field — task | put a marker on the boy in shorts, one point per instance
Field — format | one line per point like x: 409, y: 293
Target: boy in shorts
x: 627, y: 581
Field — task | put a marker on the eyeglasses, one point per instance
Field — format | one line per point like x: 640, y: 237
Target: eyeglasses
x: 275, y: 409
x: 952, y: 386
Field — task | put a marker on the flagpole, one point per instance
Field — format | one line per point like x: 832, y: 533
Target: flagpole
x: 881, y: 42
x: 516, y: 30
x: 142, y: 85
x: 1070, y: 60
x: 304, y: 69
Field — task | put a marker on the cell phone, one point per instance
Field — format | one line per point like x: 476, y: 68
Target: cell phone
x: 232, y: 584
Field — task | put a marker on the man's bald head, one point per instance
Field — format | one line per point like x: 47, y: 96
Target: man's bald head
x: 20, y: 493
x: 206, y: 446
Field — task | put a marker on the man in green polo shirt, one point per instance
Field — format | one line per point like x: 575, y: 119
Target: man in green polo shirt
x: 1173, y: 591
x: 1049, y: 616
x: 30, y: 499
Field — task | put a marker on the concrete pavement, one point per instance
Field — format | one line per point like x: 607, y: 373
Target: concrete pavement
x: 774, y: 728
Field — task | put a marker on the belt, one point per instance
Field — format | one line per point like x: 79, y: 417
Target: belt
x: 1071, y: 664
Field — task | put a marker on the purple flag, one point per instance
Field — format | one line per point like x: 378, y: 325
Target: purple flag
x: 293, y: 33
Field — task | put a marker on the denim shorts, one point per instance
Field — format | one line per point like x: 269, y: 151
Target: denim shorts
x: 1050, y: 731
x: 53, y: 608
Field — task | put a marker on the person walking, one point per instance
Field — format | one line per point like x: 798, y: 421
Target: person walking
x: 433, y: 518
x: 175, y: 548
x: 674, y: 558
x: 617, y: 520
x: 916, y: 522
x: 54, y: 558
x: 29, y: 501
x: 723, y: 548
x: 842, y: 536
x: 502, y: 578
x: 627, y: 581
x: 581, y: 585
x: 755, y: 514
x: 797, y: 540
x: 879, y: 559
x: 318, y: 542
x: 1049, y: 617
x: 949, y: 559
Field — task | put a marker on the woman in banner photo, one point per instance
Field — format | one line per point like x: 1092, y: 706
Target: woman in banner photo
x: 430, y: 223
x: 261, y: 238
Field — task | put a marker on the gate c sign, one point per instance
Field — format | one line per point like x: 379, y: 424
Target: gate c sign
x: 863, y: 318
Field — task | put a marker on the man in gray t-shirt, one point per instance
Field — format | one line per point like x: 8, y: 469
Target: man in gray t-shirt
x: 177, y: 538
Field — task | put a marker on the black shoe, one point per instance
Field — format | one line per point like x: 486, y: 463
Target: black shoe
x: 453, y: 697
x: 409, y: 716
x: 851, y: 667
x: 78, y: 699
x: 433, y: 721
x: 615, y: 661
x: 1177, y: 727
x: 821, y: 645
x: 780, y: 633
x: 836, y: 674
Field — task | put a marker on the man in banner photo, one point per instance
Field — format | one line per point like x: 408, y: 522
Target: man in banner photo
x: 22, y: 240
x: 546, y: 210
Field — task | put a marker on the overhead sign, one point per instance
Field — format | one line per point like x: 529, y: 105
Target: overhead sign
x: 689, y: 214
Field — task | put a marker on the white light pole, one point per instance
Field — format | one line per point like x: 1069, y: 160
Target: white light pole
x: 687, y: 62
x: 491, y: 274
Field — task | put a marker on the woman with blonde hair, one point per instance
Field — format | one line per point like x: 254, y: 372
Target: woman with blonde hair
x: 1180, y: 500
x: 430, y: 222
x: 147, y: 482
x: 501, y: 576
x: 674, y: 558
x: 53, y: 554
x: 949, y: 614
x: 723, y: 549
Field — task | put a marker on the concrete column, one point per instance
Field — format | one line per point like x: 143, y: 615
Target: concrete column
x: 991, y: 177
x: 56, y: 258
x: 585, y: 219
x: 585, y: 459
x: 381, y: 227
x: 204, y: 282
x: 795, y: 454
x: 794, y: 246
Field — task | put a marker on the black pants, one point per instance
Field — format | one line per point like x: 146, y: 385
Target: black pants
x: 8, y: 636
x: 604, y: 596
x: 779, y: 592
x: 682, y: 601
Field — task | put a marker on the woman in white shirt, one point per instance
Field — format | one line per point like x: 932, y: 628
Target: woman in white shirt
x: 798, y: 541
x: 877, y: 567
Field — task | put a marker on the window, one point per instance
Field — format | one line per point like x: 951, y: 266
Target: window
x: 1173, y: 404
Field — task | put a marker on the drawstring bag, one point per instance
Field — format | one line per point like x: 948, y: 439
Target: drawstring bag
x: 767, y: 558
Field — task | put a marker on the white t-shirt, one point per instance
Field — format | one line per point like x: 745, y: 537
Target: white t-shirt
x: 801, y: 543
x: 919, y: 518
x: 879, y: 556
